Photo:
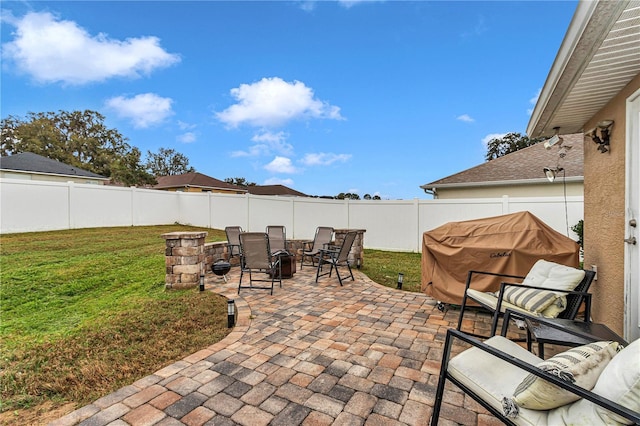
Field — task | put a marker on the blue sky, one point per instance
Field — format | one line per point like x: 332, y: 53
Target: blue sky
x: 373, y: 97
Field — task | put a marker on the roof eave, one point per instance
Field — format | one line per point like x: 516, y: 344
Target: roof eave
x: 588, y: 28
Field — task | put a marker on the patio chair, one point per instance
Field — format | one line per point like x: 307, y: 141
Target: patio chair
x: 324, y: 235
x: 593, y: 384
x: 257, y: 258
x: 233, y: 241
x: 277, y: 239
x: 549, y: 290
x: 336, y: 257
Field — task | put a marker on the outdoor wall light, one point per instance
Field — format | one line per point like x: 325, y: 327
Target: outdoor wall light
x: 552, y: 173
x: 400, y: 280
x: 554, y: 139
x: 231, y: 313
x: 605, y: 135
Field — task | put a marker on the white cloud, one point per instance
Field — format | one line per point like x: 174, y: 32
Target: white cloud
x: 533, y: 101
x: 273, y: 102
x: 188, y: 137
x: 185, y: 126
x: 281, y: 165
x: 278, y: 181
x: 324, y: 159
x: 274, y: 142
x: 53, y: 50
x: 466, y: 118
x: 143, y: 110
x: 491, y: 136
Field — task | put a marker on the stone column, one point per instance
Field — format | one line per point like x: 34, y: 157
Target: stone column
x: 356, y: 255
x: 184, y: 259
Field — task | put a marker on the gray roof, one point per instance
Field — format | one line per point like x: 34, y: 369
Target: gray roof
x: 523, y: 166
x: 28, y: 162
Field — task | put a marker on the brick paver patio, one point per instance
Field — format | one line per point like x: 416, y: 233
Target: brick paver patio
x: 311, y: 354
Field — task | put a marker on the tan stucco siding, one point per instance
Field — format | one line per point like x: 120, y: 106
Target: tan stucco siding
x: 49, y: 178
x: 604, y: 214
x: 554, y: 189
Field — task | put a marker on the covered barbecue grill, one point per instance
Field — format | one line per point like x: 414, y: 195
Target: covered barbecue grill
x: 508, y: 244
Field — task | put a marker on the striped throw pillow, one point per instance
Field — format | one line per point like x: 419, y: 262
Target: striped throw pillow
x: 531, y: 299
x: 581, y: 366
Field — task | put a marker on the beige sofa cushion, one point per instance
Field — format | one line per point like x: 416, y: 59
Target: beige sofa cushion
x: 479, y: 371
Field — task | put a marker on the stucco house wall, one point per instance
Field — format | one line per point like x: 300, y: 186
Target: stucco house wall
x: 604, y: 211
x: 545, y: 189
x: 49, y: 178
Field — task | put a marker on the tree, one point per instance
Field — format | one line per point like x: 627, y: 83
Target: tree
x: 77, y: 138
x: 240, y: 181
x: 167, y: 162
x: 348, y: 195
x: 511, y: 142
x: 369, y: 197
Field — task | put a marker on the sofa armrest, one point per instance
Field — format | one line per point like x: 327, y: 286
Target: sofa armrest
x: 577, y: 390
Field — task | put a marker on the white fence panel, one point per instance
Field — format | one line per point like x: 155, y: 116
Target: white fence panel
x: 267, y: 210
x: 154, y: 207
x: 390, y: 225
x: 194, y: 209
x: 107, y: 206
x: 313, y: 212
x: 26, y: 207
x: 229, y: 210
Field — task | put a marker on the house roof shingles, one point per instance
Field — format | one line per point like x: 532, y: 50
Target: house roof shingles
x: 520, y: 166
x: 274, y: 190
x: 34, y: 163
x: 194, y: 179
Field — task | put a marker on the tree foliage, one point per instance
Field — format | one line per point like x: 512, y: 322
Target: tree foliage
x: 240, y: 181
x: 77, y: 138
x: 347, y: 195
x: 370, y: 197
x: 511, y: 142
x: 167, y: 162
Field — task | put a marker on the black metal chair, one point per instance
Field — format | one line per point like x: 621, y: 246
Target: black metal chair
x: 505, y: 357
x: 497, y: 306
x: 256, y: 257
x: 336, y: 257
x: 277, y: 239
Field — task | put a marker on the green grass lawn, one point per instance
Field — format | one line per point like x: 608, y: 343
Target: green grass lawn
x: 85, y: 312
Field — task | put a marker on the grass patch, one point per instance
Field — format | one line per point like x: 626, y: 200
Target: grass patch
x: 383, y: 267
x: 85, y: 312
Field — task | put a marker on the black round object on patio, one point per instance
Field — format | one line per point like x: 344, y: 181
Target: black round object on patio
x: 220, y: 267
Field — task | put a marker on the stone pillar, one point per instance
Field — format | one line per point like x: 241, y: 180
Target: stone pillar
x: 184, y: 259
x: 356, y: 255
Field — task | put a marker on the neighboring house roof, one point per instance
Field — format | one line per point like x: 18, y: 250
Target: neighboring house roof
x: 28, y: 162
x: 523, y: 166
x: 599, y: 55
x: 195, y: 180
x: 274, y: 190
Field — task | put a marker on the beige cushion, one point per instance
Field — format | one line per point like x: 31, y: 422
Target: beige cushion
x: 478, y: 371
x: 619, y: 382
x: 581, y: 366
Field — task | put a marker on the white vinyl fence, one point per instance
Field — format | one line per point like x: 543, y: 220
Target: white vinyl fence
x: 28, y: 206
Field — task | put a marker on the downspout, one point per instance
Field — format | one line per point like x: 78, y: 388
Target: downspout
x: 432, y: 191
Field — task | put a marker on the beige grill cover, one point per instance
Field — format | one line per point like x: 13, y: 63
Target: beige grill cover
x: 508, y: 244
